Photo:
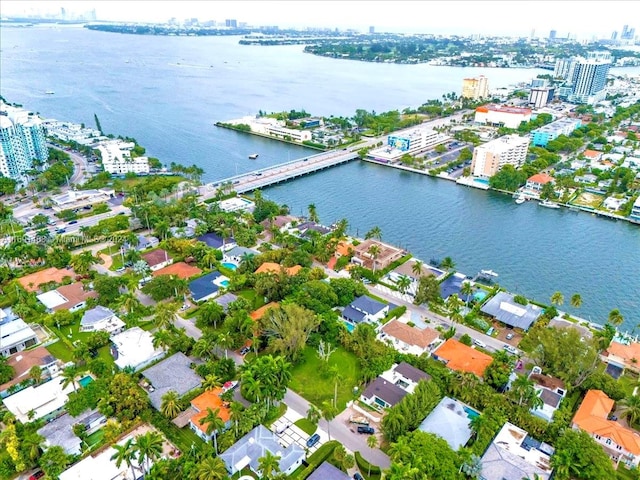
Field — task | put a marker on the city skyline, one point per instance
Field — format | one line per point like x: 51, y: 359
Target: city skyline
x: 478, y: 17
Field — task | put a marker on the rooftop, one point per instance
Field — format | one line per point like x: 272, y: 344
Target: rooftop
x: 23, y: 361
x: 541, y: 178
x: 492, y: 107
x: 503, y: 308
x: 368, y: 305
x: 411, y: 335
x: 204, y: 286
x: 450, y: 422
x: 156, y: 257
x: 60, y: 431
x: 225, y: 300
x: 134, y: 348
x: 43, y: 400
x: 385, y: 390
x: 209, y: 399
x: 351, y: 314
x: 214, y: 240
x: 412, y: 373
x: 326, y: 471
x: 259, y: 313
x: 15, y: 331
x: 386, y: 255
x: 172, y: 373
x: 66, y: 297
x: 96, y: 315
x: 32, y: 281
x: 462, y: 358
x: 407, y: 269
x: 180, y: 270
x: 270, y: 267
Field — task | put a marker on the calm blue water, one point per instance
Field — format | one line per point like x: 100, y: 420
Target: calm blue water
x: 230, y: 266
x: 168, y: 91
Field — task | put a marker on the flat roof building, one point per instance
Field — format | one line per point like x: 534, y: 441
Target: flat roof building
x: 117, y: 159
x: 489, y: 158
x: 15, y: 334
x: 134, y: 348
x: 407, y: 142
x: 540, y: 137
x: 502, y: 115
x: 33, y: 403
x: 505, y: 309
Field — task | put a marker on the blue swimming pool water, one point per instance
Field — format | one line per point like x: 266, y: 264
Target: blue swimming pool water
x: 224, y: 283
x: 350, y: 326
x: 481, y: 180
x: 480, y: 295
x: 471, y: 413
x: 229, y: 265
x: 84, y: 381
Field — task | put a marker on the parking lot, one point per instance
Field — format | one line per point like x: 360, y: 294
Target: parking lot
x: 293, y: 434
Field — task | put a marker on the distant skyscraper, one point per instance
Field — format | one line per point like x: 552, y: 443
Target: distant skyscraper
x: 589, y: 78
x: 552, y: 35
x: 540, y: 96
x: 564, y: 68
x: 628, y: 33
x: 372, y: 29
x: 231, y: 23
x: 475, y: 88
x: 614, y: 35
x: 22, y: 140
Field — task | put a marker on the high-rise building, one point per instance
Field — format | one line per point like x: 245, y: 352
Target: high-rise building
x: 540, y: 96
x: 489, y: 158
x: 627, y: 33
x: 538, y: 82
x: 22, y: 140
x: 590, y: 78
x: 564, y: 68
x: 231, y: 23
x: 614, y: 35
x: 475, y: 88
x: 552, y: 35
x: 372, y: 29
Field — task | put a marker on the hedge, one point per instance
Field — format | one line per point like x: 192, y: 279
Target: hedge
x: 364, y: 467
x: 319, y: 456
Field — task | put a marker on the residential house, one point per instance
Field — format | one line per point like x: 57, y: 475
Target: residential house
x: 16, y: 335
x: 59, y: 432
x: 157, y: 259
x: 238, y: 254
x: 385, y: 255
x: 270, y: 267
x: 236, y: 204
x: 461, y: 358
x: 72, y: 297
x: 505, y: 309
x: 34, y: 403
x: 592, y: 155
x: 181, y: 270
x: 134, y: 349
x: 23, y: 361
x: 326, y: 471
x: 622, y: 444
x: 101, y: 319
x: 407, y: 339
x: 393, y: 385
x: 259, y: 313
x: 187, y: 231
x: 365, y: 309
x: 452, y: 286
x: 280, y: 223
x: 207, y: 286
x: 537, y: 181
x: 613, y: 203
x: 143, y: 243
x: 622, y: 355
x: 451, y: 421
x: 172, y: 373
x: 551, y: 391
x: 214, y: 240
x: 515, y: 455
x: 635, y: 209
x: 304, y: 229
x: 225, y: 299
x: 200, y: 405
x: 32, y: 282
x: 586, y: 179
x: 254, y: 445
x: 407, y: 270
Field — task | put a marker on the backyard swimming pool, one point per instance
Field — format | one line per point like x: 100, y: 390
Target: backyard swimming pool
x: 229, y: 266
x: 350, y: 326
x: 471, y: 413
x: 86, y: 380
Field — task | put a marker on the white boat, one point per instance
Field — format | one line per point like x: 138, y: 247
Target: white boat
x: 50, y: 92
x: 253, y: 156
x: 520, y: 200
x: 549, y: 204
x: 488, y: 273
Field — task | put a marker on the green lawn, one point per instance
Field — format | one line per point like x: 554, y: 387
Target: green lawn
x: 60, y: 351
x: 72, y: 334
x: 250, y: 295
x: 95, y: 438
x: 307, y: 381
x: 306, y: 426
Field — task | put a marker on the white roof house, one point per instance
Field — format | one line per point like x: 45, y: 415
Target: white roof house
x: 42, y: 400
x: 101, y: 319
x: 15, y: 334
x: 134, y: 348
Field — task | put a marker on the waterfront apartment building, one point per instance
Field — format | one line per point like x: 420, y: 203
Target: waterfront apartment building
x: 590, y: 78
x: 117, y: 160
x: 489, y: 158
x: 564, y: 68
x: 22, y: 140
x: 502, y: 115
x: 475, y: 88
x: 409, y: 142
x: 540, y: 96
x: 635, y: 210
x: 540, y: 137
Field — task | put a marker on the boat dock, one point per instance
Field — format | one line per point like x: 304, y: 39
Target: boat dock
x: 283, y: 172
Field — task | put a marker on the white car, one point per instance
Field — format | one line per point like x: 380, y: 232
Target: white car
x: 480, y: 344
x: 511, y: 350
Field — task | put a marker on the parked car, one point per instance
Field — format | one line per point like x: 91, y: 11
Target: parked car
x: 480, y: 344
x: 509, y: 336
x: 357, y: 476
x: 281, y: 429
x: 313, y: 439
x: 511, y: 350
x: 73, y: 222
x: 366, y: 429
x: 37, y: 475
x: 245, y: 350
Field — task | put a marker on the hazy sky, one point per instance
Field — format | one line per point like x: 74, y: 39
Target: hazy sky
x: 475, y: 16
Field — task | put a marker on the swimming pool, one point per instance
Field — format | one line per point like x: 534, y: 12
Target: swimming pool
x: 479, y: 295
x: 224, y: 283
x: 471, y: 413
x: 86, y: 380
x: 484, y: 181
x: 230, y: 266
x: 350, y: 326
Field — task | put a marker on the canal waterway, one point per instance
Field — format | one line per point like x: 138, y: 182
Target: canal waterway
x: 167, y: 92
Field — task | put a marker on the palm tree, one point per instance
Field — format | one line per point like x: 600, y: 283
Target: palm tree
x: 557, y: 298
x: 416, y: 268
x: 236, y: 411
x: 372, y: 442
x: 630, y: 408
x: 576, y: 300
x: 313, y: 414
x: 209, y: 258
x: 170, y: 404
x: 129, y: 302
x: 334, y: 373
x: 269, y: 465
x: 210, y: 468
x: 31, y: 445
x: 225, y: 341
x: 214, y: 425
x: 35, y: 373
x: 523, y: 392
x: 375, y: 232
x: 165, y: 314
x: 125, y: 453
x: 211, y: 382
x: 403, y: 283
x: 448, y: 263
x: 329, y: 412
x: 615, y: 317
x: 313, y: 214
x: 69, y: 375
x: 82, y: 263
x: 467, y: 291
x: 374, y: 252
x: 149, y: 448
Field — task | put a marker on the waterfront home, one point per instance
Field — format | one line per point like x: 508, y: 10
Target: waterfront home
x: 279, y: 223
x: 587, y: 178
x: 70, y: 297
x: 303, y: 230
x: 207, y: 286
x: 157, y: 259
x: 551, y: 391
x: 214, y: 240
x: 32, y: 282
x: 236, y: 204
x: 614, y: 204
x: 516, y: 455
x: 450, y: 421
x: 101, y: 319
x: 16, y: 334
x: 385, y: 256
x: 199, y: 410
x: 365, y: 309
x: 23, y: 361
x: 622, y: 356
x: 537, y: 181
x: 393, y: 385
x: 271, y: 267
x: 180, y: 270
x: 186, y: 231
x: 506, y: 310
x: 622, y: 444
x: 247, y: 452
x: 461, y: 358
x: 34, y: 403
x: 172, y: 373
x: 452, y: 286
x: 59, y: 432
x: 635, y: 209
x: 238, y: 254
x: 407, y: 339
x: 134, y: 349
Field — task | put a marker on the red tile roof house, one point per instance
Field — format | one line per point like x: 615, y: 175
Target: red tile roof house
x: 157, y: 259
x: 537, y: 181
x: 592, y: 155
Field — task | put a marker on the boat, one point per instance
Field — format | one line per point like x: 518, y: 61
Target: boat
x: 549, y: 204
x: 520, y: 200
x: 50, y: 92
x: 488, y: 273
x: 253, y: 156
